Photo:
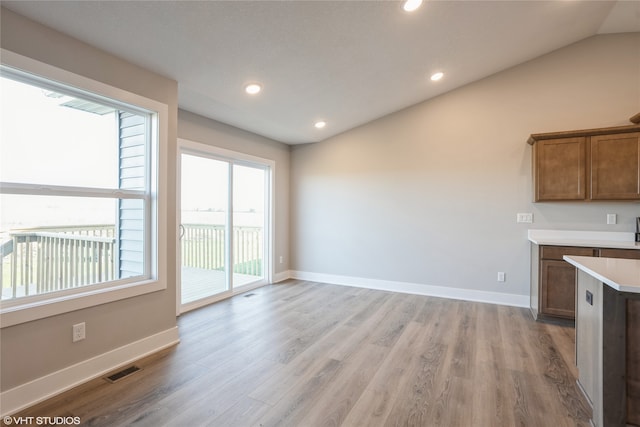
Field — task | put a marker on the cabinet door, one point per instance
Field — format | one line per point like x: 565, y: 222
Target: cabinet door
x: 560, y: 169
x: 615, y: 167
x: 557, y: 288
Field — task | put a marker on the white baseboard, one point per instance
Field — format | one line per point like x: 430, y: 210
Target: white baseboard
x: 416, y: 288
x: 282, y: 276
x: 28, y: 394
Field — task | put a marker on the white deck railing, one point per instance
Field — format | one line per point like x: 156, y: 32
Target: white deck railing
x: 203, y: 247
x: 42, y: 260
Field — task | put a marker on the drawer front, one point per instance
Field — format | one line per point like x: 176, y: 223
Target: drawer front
x: 557, y: 252
x: 620, y: 253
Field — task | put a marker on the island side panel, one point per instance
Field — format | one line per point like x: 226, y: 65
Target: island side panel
x: 589, y: 341
x: 614, y: 325
x: 633, y: 362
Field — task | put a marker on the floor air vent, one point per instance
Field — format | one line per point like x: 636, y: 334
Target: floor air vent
x: 122, y: 374
x: 249, y: 295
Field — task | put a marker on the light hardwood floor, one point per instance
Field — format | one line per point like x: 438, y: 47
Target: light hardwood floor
x: 309, y: 354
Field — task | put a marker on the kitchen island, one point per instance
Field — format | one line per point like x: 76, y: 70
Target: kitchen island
x: 608, y: 337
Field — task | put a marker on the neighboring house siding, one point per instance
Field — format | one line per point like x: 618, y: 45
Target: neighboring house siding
x: 132, y: 177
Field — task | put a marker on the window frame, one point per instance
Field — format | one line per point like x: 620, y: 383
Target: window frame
x: 24, y: 309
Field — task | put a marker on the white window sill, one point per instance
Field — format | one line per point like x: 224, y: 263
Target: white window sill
x: 13, y: 313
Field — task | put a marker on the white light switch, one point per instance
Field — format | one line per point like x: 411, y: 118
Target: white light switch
x: 524, y: 217
x: 612, y: 218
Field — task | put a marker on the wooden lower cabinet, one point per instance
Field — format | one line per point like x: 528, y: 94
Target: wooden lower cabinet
x: 558, y: 289
x: 557, y: 278
x: 557, y: 281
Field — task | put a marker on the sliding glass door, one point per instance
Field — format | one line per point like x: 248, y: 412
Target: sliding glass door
x: 203, y: 228
x: 224, y: 219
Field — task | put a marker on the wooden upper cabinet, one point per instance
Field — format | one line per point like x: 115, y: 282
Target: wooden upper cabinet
x: 615, y: 167
x: 560, y: 169
x: 592, y: 164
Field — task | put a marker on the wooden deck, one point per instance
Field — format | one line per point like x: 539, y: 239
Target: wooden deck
x: 198, y: 283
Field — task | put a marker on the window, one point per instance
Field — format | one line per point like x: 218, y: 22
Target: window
x: 78, y: 191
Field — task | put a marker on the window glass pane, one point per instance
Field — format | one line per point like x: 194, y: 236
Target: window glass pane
x: 51, y: 138
x: 248, y: 224
x: 28, y: 211
x: 51, y: 243
x: 205, y: 206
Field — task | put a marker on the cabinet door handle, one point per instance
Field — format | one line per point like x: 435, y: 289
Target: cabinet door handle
x: 589, y: 298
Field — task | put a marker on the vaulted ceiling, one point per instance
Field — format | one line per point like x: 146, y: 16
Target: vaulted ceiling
x: 343, y: 62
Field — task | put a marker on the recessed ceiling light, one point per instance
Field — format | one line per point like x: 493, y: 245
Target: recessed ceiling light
x: 253, y: 88
x: 320, y: 124
x: 411, y: 5
x: 437, y: 76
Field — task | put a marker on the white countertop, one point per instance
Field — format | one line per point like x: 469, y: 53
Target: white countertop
x: 621, y: 274
x: 590, y: 239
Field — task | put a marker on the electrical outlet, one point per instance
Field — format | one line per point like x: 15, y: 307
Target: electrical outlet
x: 612, y: 219
x: 502, y: 277
x: 524, y: 217
x: 589, y: 298
x: 281, y: 259
x: 79, y: 332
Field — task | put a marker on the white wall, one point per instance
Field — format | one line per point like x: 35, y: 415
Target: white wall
x: 429, y: 195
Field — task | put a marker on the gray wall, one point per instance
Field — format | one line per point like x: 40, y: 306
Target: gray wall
x: 429, y: 195
x: 34, y: 349
x: 200, y: 129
